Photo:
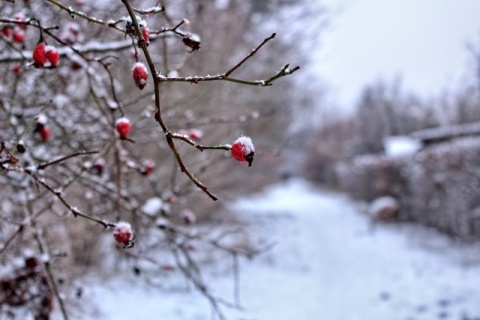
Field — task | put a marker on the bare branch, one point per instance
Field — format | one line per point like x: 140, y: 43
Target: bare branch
x: 76, y: 154
x: 72, y: 209
x: 251, y: 54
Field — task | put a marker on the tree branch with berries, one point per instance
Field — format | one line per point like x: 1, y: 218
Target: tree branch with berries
x: 96, y: 134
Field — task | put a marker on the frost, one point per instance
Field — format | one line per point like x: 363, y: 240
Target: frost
x: 155, y: 9
x: 42, y: 119
x: 140, y: 66
x: 247, y: 144
x: 128, y: 23
x: 195, y: 37
x: 162, y: 223
x: 173, y: 74
x: 131, y: 164
x: 28, y: 253
x: 45, y: 257
x: 152, y: 206
x: 61, y: 100
x: 13, y: 120
x: 49, y: 48
x: 122, y: 120
x: 20, y: 262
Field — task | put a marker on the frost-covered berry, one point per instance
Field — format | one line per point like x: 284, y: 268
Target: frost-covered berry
x: 123, y: 234
x: 243, y: 150
x: 147, y: 167
x: 192, y: 41
x: 188, y: 216
x: 18, y: 35
x: 39, y: 55
x: 52, y: 56
x: 123, y: 127
x: 140, y: 75
x: 21, y: 147
x: 146, y: 35
x: 130, y: 28
x: 195, y: 134
x: 98, y: 166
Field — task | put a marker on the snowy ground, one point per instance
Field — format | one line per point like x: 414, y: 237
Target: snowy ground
x: 327, y: 264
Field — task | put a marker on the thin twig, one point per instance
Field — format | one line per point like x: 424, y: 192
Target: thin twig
x: 83, y: 15
x: 72, y: 209
x: 251, y: 54
x: 43, y: 250
x: 76, y: 154
x: 153, y: 10
x: 197, y: 145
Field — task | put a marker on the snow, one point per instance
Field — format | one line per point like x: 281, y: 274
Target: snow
x: 381, y: 204
x: 153, y: 206
x: 327, y: 263
x: 401, y: 146
x: 246, y: 143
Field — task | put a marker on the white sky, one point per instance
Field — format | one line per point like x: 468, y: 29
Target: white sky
x: 423, y: 41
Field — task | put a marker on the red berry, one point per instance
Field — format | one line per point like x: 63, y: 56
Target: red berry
x: 17, y: 68
x: 45, y: 133
x: 123, y: 127
x: 243, y: 150
x: 140, y: 75
x: 39, y: 55
x: 18, y: 35
x: 147, y: 167
x: 98, y: 166
x: 195, y: 134
x: 21, y: 18
x: 7, y: 31
x: 146, y: 35
x: 123, y: 234
x: 52, y: 55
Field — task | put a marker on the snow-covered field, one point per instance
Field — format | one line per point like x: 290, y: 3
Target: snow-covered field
x: 327, y: 263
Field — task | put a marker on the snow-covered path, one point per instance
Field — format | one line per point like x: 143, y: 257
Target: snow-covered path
x: 327, y: 264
